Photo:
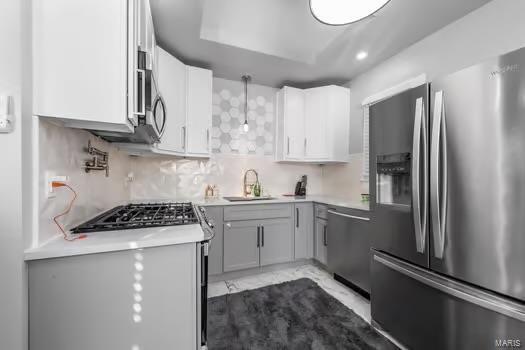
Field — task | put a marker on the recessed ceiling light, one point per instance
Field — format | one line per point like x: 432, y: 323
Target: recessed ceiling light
x: 361, y: 55
x: 341, y: 12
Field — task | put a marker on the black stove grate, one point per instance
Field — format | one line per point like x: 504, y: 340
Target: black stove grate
x: 134, y: 216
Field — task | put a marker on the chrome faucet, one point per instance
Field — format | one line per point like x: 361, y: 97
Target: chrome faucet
x: 248, y: 187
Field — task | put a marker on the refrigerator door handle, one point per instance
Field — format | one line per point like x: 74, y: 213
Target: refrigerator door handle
x: 466, y: 293
x: 438, y: 183
x: 419, y: 213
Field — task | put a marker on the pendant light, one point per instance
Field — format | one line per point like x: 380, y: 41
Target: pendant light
x: 246, y: 78
x: 342, y: 12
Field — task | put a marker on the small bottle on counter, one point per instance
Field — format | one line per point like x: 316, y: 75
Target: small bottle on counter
x: 257, y: 189
x: 215, y: 191
x: 208, y: 193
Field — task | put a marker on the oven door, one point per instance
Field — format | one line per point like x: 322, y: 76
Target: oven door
x: 204, y: 247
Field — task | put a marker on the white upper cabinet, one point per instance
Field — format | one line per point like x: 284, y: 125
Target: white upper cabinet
x: 316, y: 121
x: 290, y: 124
x: 199, y: 111
x: 172, y: 86
x: 313, y: 124
x: 82, y: 75
x: 80, y: 69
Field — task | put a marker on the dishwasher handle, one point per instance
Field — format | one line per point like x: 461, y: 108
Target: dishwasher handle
x: 349, y: 216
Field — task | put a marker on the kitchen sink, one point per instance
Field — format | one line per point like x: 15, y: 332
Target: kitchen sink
x: 247, y: 199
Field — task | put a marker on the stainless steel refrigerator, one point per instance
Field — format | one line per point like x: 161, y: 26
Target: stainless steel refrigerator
x: 447, y: 185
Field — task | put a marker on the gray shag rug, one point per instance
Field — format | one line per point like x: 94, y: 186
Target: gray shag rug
x: 291, y: 315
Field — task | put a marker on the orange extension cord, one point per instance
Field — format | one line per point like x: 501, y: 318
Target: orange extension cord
x: 61, y: 184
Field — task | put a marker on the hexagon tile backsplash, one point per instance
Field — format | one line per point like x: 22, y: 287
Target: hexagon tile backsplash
x: 228, y: 137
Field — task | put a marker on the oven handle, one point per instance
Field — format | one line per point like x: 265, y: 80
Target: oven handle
x: 204, y: 293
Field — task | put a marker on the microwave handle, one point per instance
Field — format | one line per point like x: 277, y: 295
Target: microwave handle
x: 142, y: 74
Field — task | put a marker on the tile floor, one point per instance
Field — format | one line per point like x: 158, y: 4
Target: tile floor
x: 349, y: 298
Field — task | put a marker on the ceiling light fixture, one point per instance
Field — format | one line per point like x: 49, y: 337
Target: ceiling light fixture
x: 246, y: 78
x: 342, y: 12
x: 361, y: 55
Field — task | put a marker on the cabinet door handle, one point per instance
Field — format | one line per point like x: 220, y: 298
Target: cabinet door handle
x: 262, y: 228
x: 305, y: 145
x: 296, y: 217
x: 183, y: 137
x: 208, y: 139
x: 258, y: 235
x: 288, y: 146
x: 325, y: 240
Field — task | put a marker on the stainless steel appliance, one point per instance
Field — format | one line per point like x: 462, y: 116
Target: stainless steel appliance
x: 447, y: 175
x: 300, y: 186
x: 348, y: 246
x: 151, y: 215
x: 151, y: 118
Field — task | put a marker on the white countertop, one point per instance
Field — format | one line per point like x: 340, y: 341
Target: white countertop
x: 109, y: 241
x: 328, y: 200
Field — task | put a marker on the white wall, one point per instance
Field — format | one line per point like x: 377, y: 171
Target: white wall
x: 62, y: 151
x: 228, y: 117
x: 491, y: 30
x: 14, y: 15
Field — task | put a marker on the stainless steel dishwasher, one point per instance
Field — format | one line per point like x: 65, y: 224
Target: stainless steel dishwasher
x: 348, y: 253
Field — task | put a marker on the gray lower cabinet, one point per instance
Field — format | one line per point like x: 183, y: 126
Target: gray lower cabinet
x: 277, y: 241
x: 303, y: 215
x: 253, y: 243
x: 257, y: 235
x: 215, y: 253
x: 143, y: 298
x: 241, y: 246
x: 321, y: 238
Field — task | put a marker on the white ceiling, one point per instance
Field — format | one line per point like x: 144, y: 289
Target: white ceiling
x: 279, y: 42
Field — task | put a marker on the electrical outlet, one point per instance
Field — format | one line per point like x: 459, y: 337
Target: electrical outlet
x: 50, y: 178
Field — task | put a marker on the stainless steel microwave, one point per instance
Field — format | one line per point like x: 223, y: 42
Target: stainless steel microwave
x: 151, y: 116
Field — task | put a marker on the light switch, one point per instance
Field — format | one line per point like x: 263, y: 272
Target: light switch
x: 6, y: 121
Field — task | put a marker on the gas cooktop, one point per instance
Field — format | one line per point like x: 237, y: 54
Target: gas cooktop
x: 134, y: 216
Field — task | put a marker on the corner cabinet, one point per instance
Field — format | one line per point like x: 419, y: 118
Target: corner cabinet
x: 85, y: 53
x: 313, y: 125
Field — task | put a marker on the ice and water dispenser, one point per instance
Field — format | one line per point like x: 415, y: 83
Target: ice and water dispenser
x: 393, y: 179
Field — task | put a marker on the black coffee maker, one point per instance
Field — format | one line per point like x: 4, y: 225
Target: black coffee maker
x: 300, y: 187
